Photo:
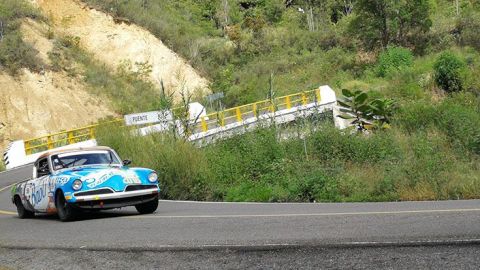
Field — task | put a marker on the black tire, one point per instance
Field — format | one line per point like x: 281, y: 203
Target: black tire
x: 148, y: 207
x: 65, y: 211
x: 22, y: 212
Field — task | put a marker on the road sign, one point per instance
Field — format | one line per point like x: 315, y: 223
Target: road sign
x: 148, y: 118
x: 213, y: 97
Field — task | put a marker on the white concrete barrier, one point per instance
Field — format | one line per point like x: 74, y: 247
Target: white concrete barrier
x: 15, y: 155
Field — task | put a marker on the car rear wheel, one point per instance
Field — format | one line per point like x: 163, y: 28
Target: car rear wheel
x: 22, y: 212
x: 148, y: 207
x: 65, y: 211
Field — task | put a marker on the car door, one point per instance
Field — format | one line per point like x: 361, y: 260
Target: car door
x: 38, y: 190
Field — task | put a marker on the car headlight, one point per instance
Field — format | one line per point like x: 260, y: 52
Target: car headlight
x: 153, y: 177
x: 77, y: 184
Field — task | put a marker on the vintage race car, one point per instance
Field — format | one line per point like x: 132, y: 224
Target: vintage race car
x: 69, y: 181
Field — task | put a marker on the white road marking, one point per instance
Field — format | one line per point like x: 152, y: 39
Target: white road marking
x: 313, y: 214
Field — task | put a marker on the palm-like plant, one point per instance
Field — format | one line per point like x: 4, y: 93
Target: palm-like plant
x: 354, y: 106
x: 365, y: 114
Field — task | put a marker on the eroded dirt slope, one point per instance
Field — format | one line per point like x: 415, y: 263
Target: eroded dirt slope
x: 114, y: 43
x: 35, y: 104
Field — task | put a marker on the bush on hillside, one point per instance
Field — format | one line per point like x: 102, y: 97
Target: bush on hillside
x: 394, y: 59
x: 461, y: 122
x: 14, y: 52
x: 448, y: 70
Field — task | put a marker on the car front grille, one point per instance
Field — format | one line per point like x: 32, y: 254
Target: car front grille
x: 94, y: 192
x: 139, y: 187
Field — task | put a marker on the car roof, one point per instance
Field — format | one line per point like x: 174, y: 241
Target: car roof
x: 70, y: 150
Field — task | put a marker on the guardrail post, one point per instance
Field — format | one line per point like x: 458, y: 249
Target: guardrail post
x: 222, y: 119
x: 289, y: 103
x: 71, y: 140
x: 239, y: 114
x: 254, y: 108
x: 49, y: 142
x: 28, y: 148
x: 304, y: 98
x: 92, y: 133
x: 204, y: 124
x: 317, y: 93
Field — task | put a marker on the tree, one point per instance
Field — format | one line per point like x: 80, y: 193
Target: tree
x: 379, y: 23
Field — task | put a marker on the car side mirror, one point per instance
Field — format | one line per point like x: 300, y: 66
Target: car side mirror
x: 127, y: 162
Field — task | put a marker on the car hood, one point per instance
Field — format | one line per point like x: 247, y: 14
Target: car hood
x: 94, y: 177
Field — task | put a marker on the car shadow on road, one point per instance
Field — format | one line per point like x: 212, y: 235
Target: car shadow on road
x: 90, y: 215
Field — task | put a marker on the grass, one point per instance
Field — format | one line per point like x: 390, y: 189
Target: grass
x: 2, y: 166
x: 429, y: 163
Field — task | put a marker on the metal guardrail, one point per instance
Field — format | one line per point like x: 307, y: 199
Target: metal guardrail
x: 212, y: 120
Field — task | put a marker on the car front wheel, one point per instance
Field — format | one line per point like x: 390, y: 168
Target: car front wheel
x: 22, y: 212
x: 148, y: 207
x: 65, y: 211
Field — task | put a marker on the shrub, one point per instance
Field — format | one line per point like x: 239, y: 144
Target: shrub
x: 416, y: 116
x: 330, y: 144
x: 394, y: 59
x: 448, y: 70
x: 14, y: 52
x: 461, y: 123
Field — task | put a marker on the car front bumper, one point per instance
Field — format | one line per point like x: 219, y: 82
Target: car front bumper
x: 115, y: 200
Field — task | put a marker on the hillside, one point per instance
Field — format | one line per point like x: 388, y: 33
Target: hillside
x: 117, y: 43
x: 416, y: 62
x: 37, y: 101
x: 64, y: 65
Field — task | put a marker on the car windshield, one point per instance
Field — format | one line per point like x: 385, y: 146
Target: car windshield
x: 74, y: 159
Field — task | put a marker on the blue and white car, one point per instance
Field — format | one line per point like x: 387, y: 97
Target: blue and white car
x: 69, y: 181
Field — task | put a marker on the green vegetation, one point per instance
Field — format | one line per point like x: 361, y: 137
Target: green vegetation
x: 394, y: 59
x: 413, y: 67
x: 2, y: 166
x: 364, y: 112
x: 448, y: 71
x: 330, y: 165
x: 14, y: 52
x: 378, y: 23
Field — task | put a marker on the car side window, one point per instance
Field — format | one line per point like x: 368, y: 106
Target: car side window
x: 43, y: 168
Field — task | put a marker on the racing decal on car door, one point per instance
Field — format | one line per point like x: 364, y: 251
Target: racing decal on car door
x: 38, y: 191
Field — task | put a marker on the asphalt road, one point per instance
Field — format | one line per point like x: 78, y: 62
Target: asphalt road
x: 250, y: 231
